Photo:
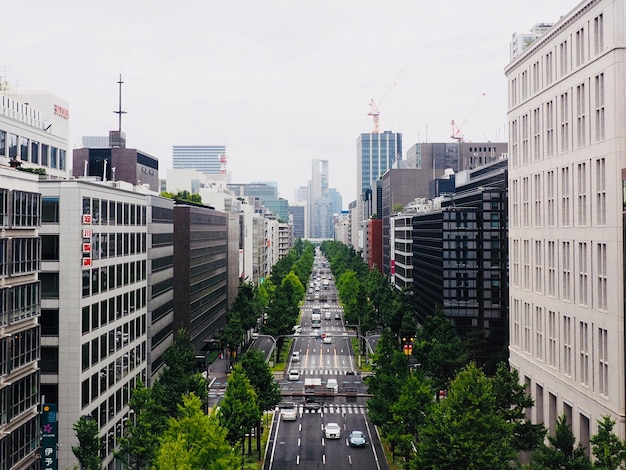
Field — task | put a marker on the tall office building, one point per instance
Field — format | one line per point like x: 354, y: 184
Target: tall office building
x: 376, y: 153
x: 204, y: 158
x: 319, y: 204
x: 567, y: 170
x: 20, y: 307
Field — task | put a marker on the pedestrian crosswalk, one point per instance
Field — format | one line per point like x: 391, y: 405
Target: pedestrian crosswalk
x: 323, y: 372
x: 329, y: 408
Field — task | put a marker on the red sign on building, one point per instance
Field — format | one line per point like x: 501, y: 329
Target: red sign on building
x: 86, y: 247
x: 87, y: 233
x: 86, y: 218
x: 86, y: 262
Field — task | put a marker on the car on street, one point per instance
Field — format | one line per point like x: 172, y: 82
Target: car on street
x: 289, y: 411
x: 356, y: 439
x: 294, y: 374
x: 295, y: 356
x: 332, y: 431
x: 311, y: 404
x: 350, y: 372
x: 327, y: 340
x: 337, y: 316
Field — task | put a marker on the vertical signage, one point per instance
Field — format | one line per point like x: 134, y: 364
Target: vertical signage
x: 86, y: 244
x: 49, y: 437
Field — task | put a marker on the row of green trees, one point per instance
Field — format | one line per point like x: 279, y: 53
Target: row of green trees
x: 168, y: 427
x: 482, y: 421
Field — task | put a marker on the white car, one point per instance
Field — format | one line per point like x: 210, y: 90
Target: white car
x: 294, y: 374
x: 289, y: 414
x: 327, y: 340
x: 332, y: 431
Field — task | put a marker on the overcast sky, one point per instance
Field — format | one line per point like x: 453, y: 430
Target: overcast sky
x: 279, y: 83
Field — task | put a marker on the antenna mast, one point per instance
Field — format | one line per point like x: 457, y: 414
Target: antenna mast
x: 119, y: 111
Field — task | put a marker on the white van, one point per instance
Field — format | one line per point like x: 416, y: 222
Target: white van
x: 332, y: 383
x: 295, y: 356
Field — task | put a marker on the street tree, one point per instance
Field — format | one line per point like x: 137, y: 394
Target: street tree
x: 146, y: 422
x: 194, y: 440
x: 348, y: 286
x: 239, y: 411
x: 513, y: 401
x: 466, y: 430
x: 560, y: 452
x: 261, y: 379
x: 439, y: 350
x: 87, y: 452
x: 233, y: 333
x: 409, y: 413
x: 180, y: 376
x: 390, y: 371
x: 608, y: 449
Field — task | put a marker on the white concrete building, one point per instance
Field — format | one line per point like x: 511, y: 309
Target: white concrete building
x: 94, y: 280
x: 567, y: 155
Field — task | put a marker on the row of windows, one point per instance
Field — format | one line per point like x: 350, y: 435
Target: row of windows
x: 575, y: 272
x: 111, y: 277
x: 101, y: 313
x: 19, y: 303
x: 20, y: 349
x: 19, y: 256
x: 109, y: 374
x: 105, y: 212
x: 573, y: 119
x: 21, y: 148
x: 20, y: 444
x: 563, y: 344
x: 19, y: 209
x: 587, y: 44
x: 573, y: 195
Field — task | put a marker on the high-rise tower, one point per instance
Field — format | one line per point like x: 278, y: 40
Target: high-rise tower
x: 204, y: 158
x: 376, y: 153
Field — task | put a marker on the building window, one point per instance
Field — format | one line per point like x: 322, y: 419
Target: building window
x: 4, y: 207
x: 601, y: 191
x: 582, y: 194
x: 537, y: 197
x: 526, y: 201
x: 599, y: 107
x: 566, y: 271
x: 12, y: 146
x: 565, y: 197
x: 525, y: 139
x: 581, y: 115
x: 550, y: 128
x: 584, y: 353
x: 24, y: 145
x: 552, y: 339
x: 45, y: 153
x: 25, y: 255
x: 25, y: 301
x: 549, y: 68
x: 539, y: 333
x: 598, y: 34
x: 3, y: 143
x: 580, y: 47
x: 26, y: 209
x: 516, y: 322
x: 583, y: 278
x: 50, y: 209
x: 34, y: 151
x: 567, y: 345
x: 603, y: 362
x: 537, y: 134
x: 527, y: 328
x: 527, y: 256
x: 602, y: 277
x: 552, y: 268
x: 49, y: 285
x: 563, y: 58
x: 564, y: 108
x: 25, y: 348
x: 50, y: 247
x: 538, y: 267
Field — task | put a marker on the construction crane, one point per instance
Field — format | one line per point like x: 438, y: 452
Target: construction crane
x: 375, y: 105
x: 456, y: 131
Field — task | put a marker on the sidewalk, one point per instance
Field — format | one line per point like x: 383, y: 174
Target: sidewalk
x: 217, y: 380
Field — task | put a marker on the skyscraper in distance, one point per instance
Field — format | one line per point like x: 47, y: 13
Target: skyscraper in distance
x: 204, y: 158
x: 376, y: 153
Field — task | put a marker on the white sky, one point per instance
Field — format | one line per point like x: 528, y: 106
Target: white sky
x: 278, y: 82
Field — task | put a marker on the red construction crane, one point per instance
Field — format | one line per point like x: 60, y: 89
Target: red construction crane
x: 456, y: 132
x: 374, y: 105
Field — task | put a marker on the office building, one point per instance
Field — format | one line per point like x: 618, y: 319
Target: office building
x: 566, y: 225
x: 210, y: 159
x: 117, y: 163
x: 94, y: 306
x: 20, y: 307
x: 376, y: 153
x: 200, y: 272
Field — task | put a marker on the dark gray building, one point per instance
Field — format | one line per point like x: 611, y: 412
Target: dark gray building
x: 160, y: 281
x: 460, y: 257
x: 298, y: 216
x: 200, y: 272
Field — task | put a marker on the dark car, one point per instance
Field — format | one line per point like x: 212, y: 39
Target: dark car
x: 350, y: 372
x: 356, y: 439
x: 311, y: 404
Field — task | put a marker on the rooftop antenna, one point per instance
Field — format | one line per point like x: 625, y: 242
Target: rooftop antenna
x: 119, y: 111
